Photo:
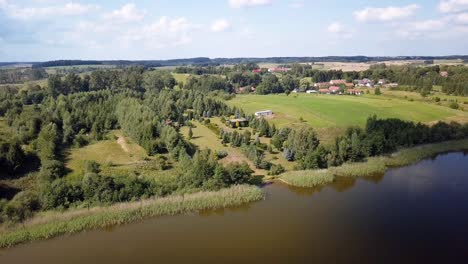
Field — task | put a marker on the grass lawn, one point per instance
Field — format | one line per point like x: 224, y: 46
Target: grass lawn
x: 325, y: 111
x: 204, y: 138
x: 118, y: 152
x: 180, y: 77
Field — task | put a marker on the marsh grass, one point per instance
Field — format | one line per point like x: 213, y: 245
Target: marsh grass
x: 373, y: 166
x: 310, y: 178
x: 53, y: 224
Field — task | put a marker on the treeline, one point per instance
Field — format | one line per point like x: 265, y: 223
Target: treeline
x: 21, y: 75
x: 222, y: 61
x: 381, y: 136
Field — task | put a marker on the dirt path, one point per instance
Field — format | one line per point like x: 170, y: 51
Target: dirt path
x: 121, y: 141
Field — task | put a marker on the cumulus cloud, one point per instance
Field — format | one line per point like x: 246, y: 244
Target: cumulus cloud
x: 461, y: 18
x: 453, y: 6
x: 385, y: 14
x: 338, y: 30
x: 248, y: 3
x: 220, y: 25
x: 31, y: 13
x: 128, y: 13
x: 420, y: 29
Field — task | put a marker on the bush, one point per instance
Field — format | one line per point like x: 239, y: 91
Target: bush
x: 454, y: 105
x: 23, y: 206
x: 436, y: 99
x: 221, y: 154
x: 276, y: 169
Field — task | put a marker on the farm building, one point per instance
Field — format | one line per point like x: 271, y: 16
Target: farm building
x: 311, y: 91
x: 354, y: 92
x: 278, y: 70
x: 324, y: 91
x: 337, y: 82
x: 322, y: 85
x: 264, y: 113
x: 334, y: 89
x: 365, y: 83
x: 238, y: 122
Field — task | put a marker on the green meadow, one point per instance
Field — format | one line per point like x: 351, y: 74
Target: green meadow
x: 329, y: 111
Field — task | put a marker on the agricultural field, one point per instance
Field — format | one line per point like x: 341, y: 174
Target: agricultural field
x: 330, y: 114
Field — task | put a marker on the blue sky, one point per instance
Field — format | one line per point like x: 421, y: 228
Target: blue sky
x: 33, y: 30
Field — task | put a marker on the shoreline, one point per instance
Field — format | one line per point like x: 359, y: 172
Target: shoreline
x: 52, y: 224
x: 373, y: 165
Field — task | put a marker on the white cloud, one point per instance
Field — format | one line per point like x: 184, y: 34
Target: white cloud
x: 248, y: 3
x: 340, y: 31
x: 461, y: 18
x: 385, y: 14
x: 220, y: 25
x: 336, y: 27
x: 31, y: 13
x: 453, y: 6
x: 128, y: 13
x: 163, y: 33
x: 424, y: 28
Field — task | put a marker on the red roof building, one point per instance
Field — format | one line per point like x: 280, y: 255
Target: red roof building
x: 336, y: 82
x: 334, y: 89
x: 257, y: 70
x: 324, y: 91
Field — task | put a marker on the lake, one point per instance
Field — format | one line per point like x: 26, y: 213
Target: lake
x: 413, y: 214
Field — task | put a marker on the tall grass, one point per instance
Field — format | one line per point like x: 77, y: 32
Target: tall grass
x: 310, y: 178
x: 52, y: 224
x: 373, y: 166
x: 409, y: 156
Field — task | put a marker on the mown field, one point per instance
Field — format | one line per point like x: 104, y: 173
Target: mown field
x: 325, y: 111
x: 330, y: 115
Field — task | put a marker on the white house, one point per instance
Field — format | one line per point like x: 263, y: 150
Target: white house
x: 264, y: 113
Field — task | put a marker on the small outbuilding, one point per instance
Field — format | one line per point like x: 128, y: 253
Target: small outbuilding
x: 264, y: 113
x: 238, y: 122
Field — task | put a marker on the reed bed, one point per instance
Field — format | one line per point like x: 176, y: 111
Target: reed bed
x: 308, y: 178
x: 373, y: 166
x: 53, y: 224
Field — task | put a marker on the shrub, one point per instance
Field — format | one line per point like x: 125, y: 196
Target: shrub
x: 221, y: 154
x: 276, y: 169
x: 454, y: 105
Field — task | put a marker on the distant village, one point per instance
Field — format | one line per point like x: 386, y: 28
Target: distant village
x: 335, y: 87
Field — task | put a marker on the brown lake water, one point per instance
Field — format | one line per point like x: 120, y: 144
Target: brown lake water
x: 415, y: 214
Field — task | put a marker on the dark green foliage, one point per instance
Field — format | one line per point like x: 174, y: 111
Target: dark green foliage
x: 21, y: 207
x: 11, y: 157
x: 270, y: 84
x: 276, y: 169
x: 21, y: 75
